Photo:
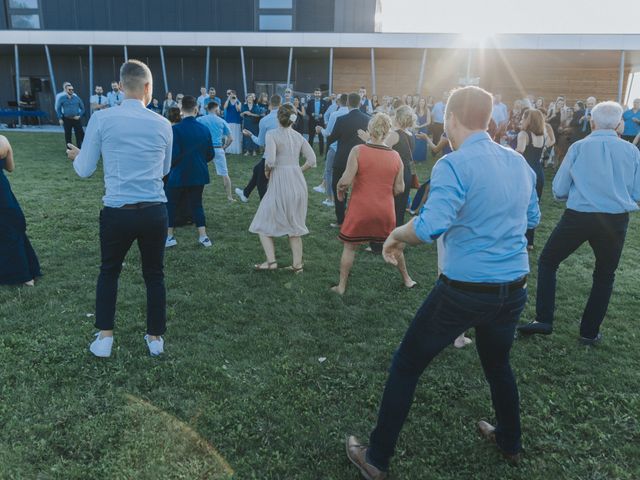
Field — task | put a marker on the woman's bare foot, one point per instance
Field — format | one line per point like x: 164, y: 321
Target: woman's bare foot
x: 410, y: 283
x: 338, y: 289
x: 266, y: 266
x: 462, y: 341
x: 30, y: 283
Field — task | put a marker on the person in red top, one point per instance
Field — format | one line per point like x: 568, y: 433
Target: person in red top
x: 376, y: 172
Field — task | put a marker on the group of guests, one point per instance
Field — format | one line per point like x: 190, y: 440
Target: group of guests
x: 483, y: 199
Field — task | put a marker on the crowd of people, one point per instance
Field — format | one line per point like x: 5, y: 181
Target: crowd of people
x: 481, y: 206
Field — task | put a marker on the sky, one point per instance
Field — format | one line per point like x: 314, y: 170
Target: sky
x: 511, y: 16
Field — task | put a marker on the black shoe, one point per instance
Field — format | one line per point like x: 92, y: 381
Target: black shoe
x: 590, y: 342
x: 535, y: 327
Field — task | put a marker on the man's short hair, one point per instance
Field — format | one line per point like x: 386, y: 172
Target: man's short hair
x: 275, y: 100
x: 606, y: 115
x: 211, y: 105
x: 472, y: 106
x: 343, y: 99
x: 189, y: 103
x: 134, y: 75
x: 64, y: 85
x: 354, y: 100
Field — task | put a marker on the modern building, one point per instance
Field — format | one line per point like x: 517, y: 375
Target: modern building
x: 263, y: 45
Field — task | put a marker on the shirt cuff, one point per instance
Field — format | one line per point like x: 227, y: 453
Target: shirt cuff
x: 422, y: 230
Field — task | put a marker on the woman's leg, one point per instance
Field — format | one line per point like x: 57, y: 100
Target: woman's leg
x: 402, y: 268
x: 346, y: 262
x: 270, y: 253
x: 296, y: 251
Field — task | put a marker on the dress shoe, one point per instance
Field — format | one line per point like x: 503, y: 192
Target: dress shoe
x: 590, y: 342
x: 488, y: 432
x: 357, y: 454
x: 535, y: 327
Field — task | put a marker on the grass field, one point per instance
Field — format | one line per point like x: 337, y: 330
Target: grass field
x: 241, y: 391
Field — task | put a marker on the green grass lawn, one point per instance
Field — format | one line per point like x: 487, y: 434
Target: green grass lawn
x: 241, y: 391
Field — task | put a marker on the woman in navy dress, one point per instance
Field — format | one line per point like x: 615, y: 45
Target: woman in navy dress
x: 423, y: 120
x: 18, y: 260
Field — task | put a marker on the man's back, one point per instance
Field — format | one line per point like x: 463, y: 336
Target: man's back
x: 345, y: 132
x: 218, y: 128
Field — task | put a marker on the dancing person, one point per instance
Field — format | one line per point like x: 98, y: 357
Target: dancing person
x: 232, y: 108
x: 345, y: 132
x: 168, y: 103
x: 532, y: 140
x: 192, y: 151
x: 250, y: 121
x: 283, y: 210
x: 331, y: 150
x: 365, y: 103
x: 221, y: 139
x: 376, y: 173
x: 18, y: 260
x: 135, y: 145
x: 483, y: 283
x: 315, y: 109
x: 301, y: 113
x: 258, y: 178
x: 423, y: 119
x: 70, y: 109
x: 600, y: 181
x: 403, y: 141
x: 631, y: 119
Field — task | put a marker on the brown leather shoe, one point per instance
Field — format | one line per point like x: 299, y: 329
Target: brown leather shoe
x: 357, y: 454
x: 488, y: 432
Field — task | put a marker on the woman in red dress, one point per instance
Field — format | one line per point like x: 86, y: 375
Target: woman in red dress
x: 376, y: 172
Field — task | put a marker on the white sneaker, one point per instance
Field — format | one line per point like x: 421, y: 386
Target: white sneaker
x: 205, y: 242
x: 328, y: 203
x: 101, y: 347
x: 319, y: 189
x: 171, y: 242
x: 241, y: 196
x: 156, y: 347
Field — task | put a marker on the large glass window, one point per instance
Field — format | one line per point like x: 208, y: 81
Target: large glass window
x: 276, y: 4
x: 24, y: 14
x: 25, y: 21
x: 23, y: 4
x: 276, y: 22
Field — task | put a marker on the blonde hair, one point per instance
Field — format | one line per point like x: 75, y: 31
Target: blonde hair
x: 405, y: 117
x: 379, y: 126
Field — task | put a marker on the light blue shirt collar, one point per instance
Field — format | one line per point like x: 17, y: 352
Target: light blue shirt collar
x: 604, y: 133
x: 474, y: 138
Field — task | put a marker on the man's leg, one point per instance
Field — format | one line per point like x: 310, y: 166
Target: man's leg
x: 328, y: 172
x: 79, y: 132
x: 116, y: 237
x: 262, y: 181
x: 569, y: 234
x: 493, y: 342
x: 312, y: 131
x: 607, y: 246
x: 152, y: 227
x: 442, y: 317
x: 321, y: 143
x: 66, y: 124
x: 195, y: 204
x: 258, y: 168
x: 340, y: 205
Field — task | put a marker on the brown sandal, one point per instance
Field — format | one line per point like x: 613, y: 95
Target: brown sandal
x: 295, y: 270
x: 270, y: 266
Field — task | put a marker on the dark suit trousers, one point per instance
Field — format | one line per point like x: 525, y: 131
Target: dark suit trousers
x: 69, y: 124
x: 312, y: 133
x: 258, y: 179
x: 340, y: 206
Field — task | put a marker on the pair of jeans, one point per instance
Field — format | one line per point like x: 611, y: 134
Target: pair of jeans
x: 76, y: 125
x: 539, y: 171
x: 194, y: 200
x: 446, y: 313
x: 258, y: 179
x: 119, y: 228
x: 339, y: 205
x: 606, y: 234
x: 328, y: 172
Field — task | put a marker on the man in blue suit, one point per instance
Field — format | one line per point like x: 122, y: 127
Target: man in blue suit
x: 315, y: 109
x: 192, y: 150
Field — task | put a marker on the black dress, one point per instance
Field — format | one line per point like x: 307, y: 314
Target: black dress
x: 533, y: 156
x: 18, y: 260
x: 405, y: 146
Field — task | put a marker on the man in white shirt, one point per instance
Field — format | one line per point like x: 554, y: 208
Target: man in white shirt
x: 115, y: 96
x: 201, y: 99
x: 98, y: 101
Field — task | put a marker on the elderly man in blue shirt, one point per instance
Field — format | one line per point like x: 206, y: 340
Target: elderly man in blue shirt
x: 482, y: 201
x: 70, y: 109
x: 135, y: 145
x: 221, y: 138
x: 267, y: 123
x: 600, y: 181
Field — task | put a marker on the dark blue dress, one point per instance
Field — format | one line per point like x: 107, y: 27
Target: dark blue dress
x: 420, y: 151
x: 18, y: 260
x: 251, y: 124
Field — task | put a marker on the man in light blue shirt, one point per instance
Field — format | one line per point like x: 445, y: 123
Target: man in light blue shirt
x: 632, y: 122
x: 600, y: 181
x: 116, y: 95
x: 331, y: 108
x: 267, y: 123
x: 70, y: 109
x: 221, y: 138
x: 135, y: 145
x: 500, y: 113
x: 331, y: 150
x: 482, y: 200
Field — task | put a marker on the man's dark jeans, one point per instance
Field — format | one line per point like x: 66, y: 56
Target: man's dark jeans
x: 119, y: 228
x: 444, y: 315
x: 606, y: 234
x: 76, y: 125
x: 340, y: 206
x: 258, y: 179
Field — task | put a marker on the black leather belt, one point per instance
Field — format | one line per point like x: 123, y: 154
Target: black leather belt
x: 138, y: 206
x: 486, y: 287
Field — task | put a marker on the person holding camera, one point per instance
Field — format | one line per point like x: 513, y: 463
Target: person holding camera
x: 232, y: 109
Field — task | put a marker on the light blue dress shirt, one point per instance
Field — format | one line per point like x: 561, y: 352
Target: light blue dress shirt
x: 332, y: 123
x: 135, y: 144
x: 114, y: 98
x: 500, y: 113
x: 482, y: 201
x: 600, y: 174
x: 631, y: 128
x: 218, y: 127
x: 437, y: 113
x: 329, y: 111
x: 69, y: 106
x: 270, y: 122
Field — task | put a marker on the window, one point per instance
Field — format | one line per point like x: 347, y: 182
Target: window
x: 288, y: 4
x: 23, y: 4
x: 31, y: 22
x: 276, y: 22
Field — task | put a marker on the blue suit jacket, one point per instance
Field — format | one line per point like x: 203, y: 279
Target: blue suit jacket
x: 192, y: 150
